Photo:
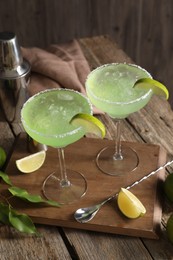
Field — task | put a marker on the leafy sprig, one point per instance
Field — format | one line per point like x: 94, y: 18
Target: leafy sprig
x: 23, y: 194
x: 11, y: 217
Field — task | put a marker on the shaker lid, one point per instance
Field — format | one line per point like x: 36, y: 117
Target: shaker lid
x: 12, y: 64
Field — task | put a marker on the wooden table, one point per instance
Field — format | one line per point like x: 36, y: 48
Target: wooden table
x: 153, y: 124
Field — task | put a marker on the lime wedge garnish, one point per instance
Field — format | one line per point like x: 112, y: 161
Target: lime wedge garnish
x: 31, y: 162
x: 90, y: 124
x: 157, y: 87
x: 129, y: 204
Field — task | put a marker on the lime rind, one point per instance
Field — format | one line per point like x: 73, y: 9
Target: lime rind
x: 31, y: 162
x: 157, y: 87
x: 3, y: 157
x: 90, y: 124
x: 168, y: 184
x: 169, y: 228
x: 130, y: 205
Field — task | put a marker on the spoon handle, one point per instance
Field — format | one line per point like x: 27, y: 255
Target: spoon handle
x: 106, y: 200
x: 149, y: 175
x: 137, y: 182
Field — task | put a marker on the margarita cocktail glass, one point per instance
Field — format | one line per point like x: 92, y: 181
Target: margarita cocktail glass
x: 45, y: 117
x: 110, y: 88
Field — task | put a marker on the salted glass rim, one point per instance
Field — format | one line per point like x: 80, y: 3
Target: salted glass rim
x: 118, y: 102
x: 76, y: 130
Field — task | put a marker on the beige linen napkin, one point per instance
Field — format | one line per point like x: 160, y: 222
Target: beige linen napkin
x: 62, y: 65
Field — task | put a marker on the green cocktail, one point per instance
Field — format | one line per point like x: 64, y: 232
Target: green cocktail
x: 110, y: 88
x: 46, y: 118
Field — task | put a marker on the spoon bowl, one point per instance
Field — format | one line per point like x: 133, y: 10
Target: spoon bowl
x: 84, y: 215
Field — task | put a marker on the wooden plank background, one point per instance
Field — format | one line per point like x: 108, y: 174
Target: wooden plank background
x: 143, y: 28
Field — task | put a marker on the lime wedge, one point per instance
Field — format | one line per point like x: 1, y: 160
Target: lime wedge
x: 169, y: 228
x: 157, y: 87
x: 130, y: 205
x: 3, y: 157
x: 168, y: 187
x: 31, y: 162
x: 90, y: 124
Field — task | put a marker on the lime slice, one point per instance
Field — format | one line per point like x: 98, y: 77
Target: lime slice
x: 157, y: 87
x: 32, y: 162
x: 90, y: 123
x: 168, y: 187
x: 129, y: 204
x: 2, y: 157
x: 169, y: 228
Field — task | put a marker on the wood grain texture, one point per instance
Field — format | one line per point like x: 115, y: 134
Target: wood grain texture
x: 161, y: 249
x: 91, y: 245
x: 20, y: 246
x: 150, y: 158
x: 142, y: 28
x: 156, y: 41
x: 59, y: 244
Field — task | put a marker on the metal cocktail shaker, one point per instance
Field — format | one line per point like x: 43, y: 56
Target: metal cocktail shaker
x: 14, y: 77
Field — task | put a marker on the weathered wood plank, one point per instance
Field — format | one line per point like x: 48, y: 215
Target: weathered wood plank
x: 23, y: 246
x: 60, y: 21
x: 98, y: 53
x: 155, y: 42
x: 161, y: 249
x: 49, y: 245
x: 6, y: 137
x: 88, y: 243
x: 147, y: 124
x: 142, y: 28
x: 155, y: 123
x: 91, y: 245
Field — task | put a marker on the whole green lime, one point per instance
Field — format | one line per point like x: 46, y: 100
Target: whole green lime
x: 169, y: 228
x: 2, y: 157
x: 168, y: 187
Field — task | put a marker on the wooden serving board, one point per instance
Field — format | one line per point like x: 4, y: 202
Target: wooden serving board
x: 81, y: 156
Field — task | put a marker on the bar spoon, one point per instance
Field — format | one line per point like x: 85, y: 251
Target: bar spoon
x: 84, y: 215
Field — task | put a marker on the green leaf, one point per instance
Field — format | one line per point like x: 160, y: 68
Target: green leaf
x: 4, y: 213
x: 21, y: 222
x: 5, y: 178
x: 23, y: 194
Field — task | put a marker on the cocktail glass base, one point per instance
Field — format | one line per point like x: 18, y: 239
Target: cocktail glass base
x: 108, y: 164
x: 64, y: 192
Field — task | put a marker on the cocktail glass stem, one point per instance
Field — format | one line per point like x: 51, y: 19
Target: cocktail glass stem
x: 118, y: 153
x: 64, y: 185
x: 64, y: 182
x: 117, y: 159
